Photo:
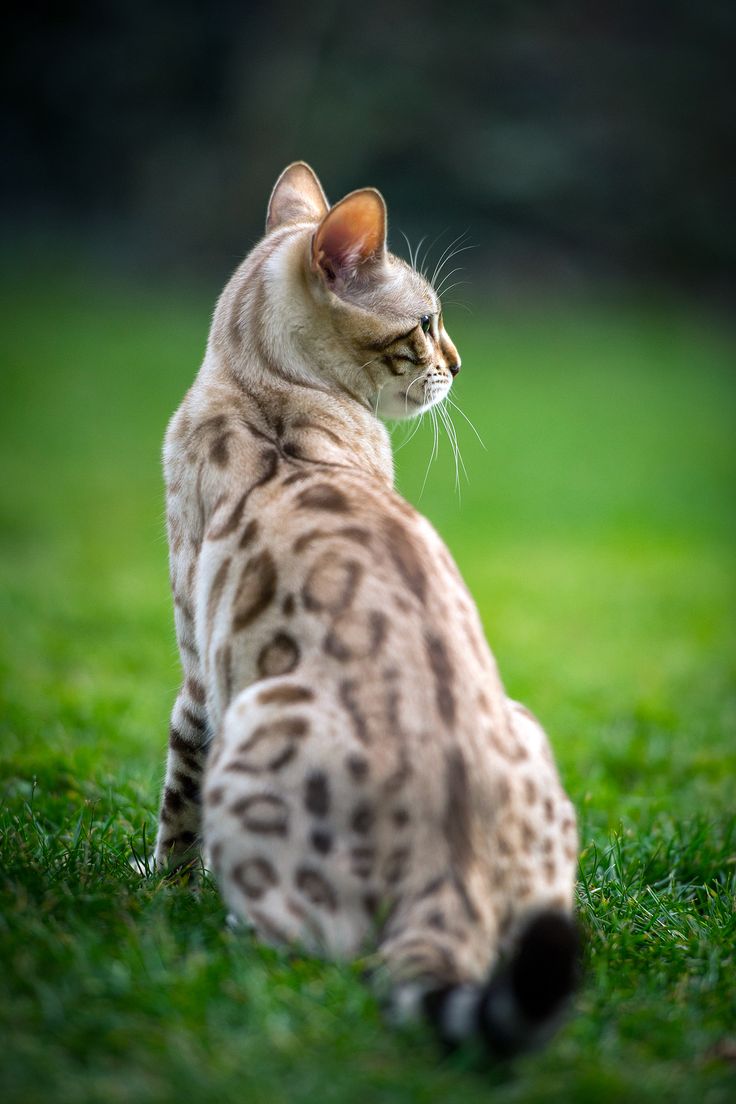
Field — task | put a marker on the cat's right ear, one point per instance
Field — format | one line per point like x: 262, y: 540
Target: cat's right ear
x: 350, y: 237
x: 297, y: 197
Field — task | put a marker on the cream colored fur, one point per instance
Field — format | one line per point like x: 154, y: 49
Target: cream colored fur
x: 368, y: 784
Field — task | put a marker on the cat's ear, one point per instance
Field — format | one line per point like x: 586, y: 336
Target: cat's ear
x: 297, y: 196
x: 351, y: 235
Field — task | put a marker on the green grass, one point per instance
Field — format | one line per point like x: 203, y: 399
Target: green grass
x: 598, y: 535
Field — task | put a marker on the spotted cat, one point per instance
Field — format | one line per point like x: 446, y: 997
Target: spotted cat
x: 342, y: 743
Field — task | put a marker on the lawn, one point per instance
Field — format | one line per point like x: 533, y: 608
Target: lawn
x: 597, y: 533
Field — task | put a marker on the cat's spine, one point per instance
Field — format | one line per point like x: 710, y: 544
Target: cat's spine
x: 523, y: 1002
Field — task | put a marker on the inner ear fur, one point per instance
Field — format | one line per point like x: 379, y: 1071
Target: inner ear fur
x: 297, y: 196
x: 351, y: 235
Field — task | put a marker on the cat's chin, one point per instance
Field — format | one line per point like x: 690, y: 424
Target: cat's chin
x: 399, y: 406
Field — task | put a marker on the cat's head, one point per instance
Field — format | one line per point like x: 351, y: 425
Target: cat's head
x: 367, y: 321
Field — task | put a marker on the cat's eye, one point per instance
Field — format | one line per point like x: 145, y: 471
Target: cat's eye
x: 425, y: 322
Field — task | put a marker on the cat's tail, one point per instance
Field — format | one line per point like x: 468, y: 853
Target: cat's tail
x: 523, y: 1002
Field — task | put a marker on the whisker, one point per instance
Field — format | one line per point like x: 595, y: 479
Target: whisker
x: 448, y: 276
x: 452, y: 287
x: 451, y: 256
x: 443, y: 418
x: 427, y: 251
x: 467, y: 419
x: 435, y: 447
x: 443, y: 255
x: 408, y: 246
x: 459, y: 462
x: 414, y: 429
x: 457, y: 442
x: 406, y: 393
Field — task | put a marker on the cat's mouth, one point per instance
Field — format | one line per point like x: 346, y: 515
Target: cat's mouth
x: 411, y: 401
x: 429, y: 393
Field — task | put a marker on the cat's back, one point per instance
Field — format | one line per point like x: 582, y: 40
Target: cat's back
x: 324, y: 569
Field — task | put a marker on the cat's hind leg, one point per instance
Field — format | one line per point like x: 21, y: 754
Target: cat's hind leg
x: 180, y: 814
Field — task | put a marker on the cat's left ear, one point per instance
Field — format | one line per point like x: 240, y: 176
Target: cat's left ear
x: 350, y: 236
x: 297, y: 196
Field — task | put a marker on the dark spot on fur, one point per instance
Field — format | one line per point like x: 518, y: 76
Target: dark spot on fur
x: 315, y: 888
x: 432, y: 886
x: 197, y: 723
x: 528, y: 835
x: 457, y: 809
x: 308, y: 538
x: 231, y: 522
x: 530, y: 791
x: 188, y: 787
x: 178, y: 743
x: 331, y: 584
x: 223, y: 668
x: 399, y: 776
x: 363, y: 818
x: 395, y: 867
x: 219, y: 453
x: 279, y: 656
x: 346, y: 691
x: 362, y: 860
x: 321, y: 841
x: 357, y: 765
x: 468, y: 905
x: 271, y: 746
x: 269, y: 464
x: 285, y: 695
x: 439, y: 662
x: 263, y: 813
x: 356, y: 635
x: 372, y: 905
x: 317, y: 793
x: 295, y: 477
x: 216, y: 589
x: 184, y: 607
x: 255, y: 877
x: 249, y: 534
x: 173, y: 801
x: 405, y: 556
x: 503, y: 789
x: 215, y: 796
x: 287, y: 605
x: 256, y: 590
x: 436, y: 920
x: 321, y: 496
x: 196, y: 689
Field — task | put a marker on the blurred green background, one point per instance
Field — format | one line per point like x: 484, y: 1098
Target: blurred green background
x: 582, y: 149
x: 572, y: 140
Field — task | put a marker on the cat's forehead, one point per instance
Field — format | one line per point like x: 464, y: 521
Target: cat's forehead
x: 414, y: 296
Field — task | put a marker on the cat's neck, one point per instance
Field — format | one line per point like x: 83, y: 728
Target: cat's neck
x: 275, y: 368
x: 308, y: 422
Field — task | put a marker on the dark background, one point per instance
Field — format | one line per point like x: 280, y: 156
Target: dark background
x: 572, y: 140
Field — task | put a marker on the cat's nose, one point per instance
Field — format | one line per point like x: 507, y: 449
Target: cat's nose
x: 454, y: 368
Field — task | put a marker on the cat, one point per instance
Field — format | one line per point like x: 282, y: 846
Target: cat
x: 342, y: 743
